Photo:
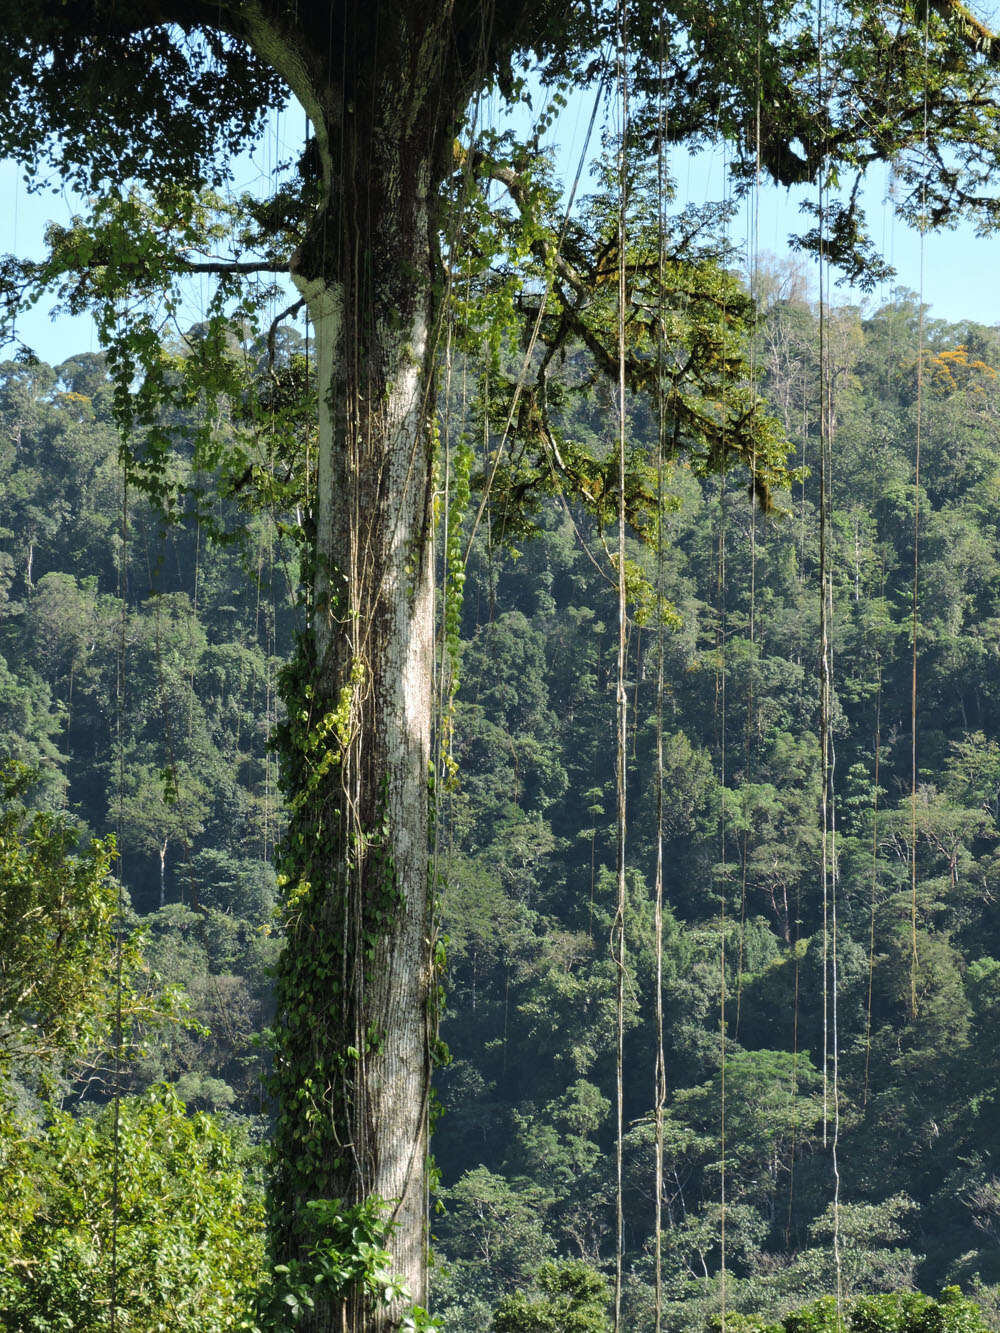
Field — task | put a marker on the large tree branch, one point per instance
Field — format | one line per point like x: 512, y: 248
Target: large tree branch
x: 541, y: 247
x: 972, y: 31
x: 289, y: 312
x: 223, y: 266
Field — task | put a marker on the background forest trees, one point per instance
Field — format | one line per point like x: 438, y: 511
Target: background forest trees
x: 525, y: 1147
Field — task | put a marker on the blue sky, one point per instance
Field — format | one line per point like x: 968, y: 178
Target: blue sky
x: 958, y: 273
x: 24, y: 216
x: 961, y: 272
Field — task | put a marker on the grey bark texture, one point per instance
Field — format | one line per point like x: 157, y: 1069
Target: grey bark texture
x: 385, y: 86
x: 366, y: 271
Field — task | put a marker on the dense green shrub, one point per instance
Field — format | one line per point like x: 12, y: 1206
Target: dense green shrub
x: 189, y: 1242
x: 889, y: 1312
x: 572, y: 1298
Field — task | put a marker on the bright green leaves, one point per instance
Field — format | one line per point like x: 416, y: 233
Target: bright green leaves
x: 572, y: 1298
x: 179, y: 283
x: 459, y: 492
x: 324, y: 1047
x: 189, y: 1242
x: 318, y: 740
x: 134, y: 241
x: 58, y: 937
x: 344, y: 1252
x: 527, y: 278
x: 892, y: 1312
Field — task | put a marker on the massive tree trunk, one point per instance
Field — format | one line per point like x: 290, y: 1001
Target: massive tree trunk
x: 384, y: 86
x: 355, y: 1024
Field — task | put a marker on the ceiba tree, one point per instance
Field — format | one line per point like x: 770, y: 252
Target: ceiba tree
x: 140, y: 102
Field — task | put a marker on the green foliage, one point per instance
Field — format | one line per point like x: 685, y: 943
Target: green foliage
x: 459, y: 493
x: 345, y: 1252
x: 316, y: 1067
x: 59, y: 928
x: 189, y: 1237
x: 914, y: 1313
x: 686, y: 344
x: 527, y: 903
x: 222, y: 966
x: 493, y: 1229
x: 572, y: 1298
x: 200, y: 791
x: 892, y: 1312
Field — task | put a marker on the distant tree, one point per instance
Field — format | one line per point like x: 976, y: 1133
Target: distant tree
x: 59, y: 925
x: 572, y: 1298
x: 894, y: 1312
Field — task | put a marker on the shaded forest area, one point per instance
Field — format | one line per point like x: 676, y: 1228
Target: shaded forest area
x: 525, y: 1143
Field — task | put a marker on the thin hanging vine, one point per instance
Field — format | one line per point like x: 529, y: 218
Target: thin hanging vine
x: 618, y: 945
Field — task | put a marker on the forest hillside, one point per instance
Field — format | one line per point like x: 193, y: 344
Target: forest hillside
x: 139, y: 679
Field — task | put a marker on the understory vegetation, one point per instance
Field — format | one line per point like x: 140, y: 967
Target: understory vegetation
x: 139, y: 689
